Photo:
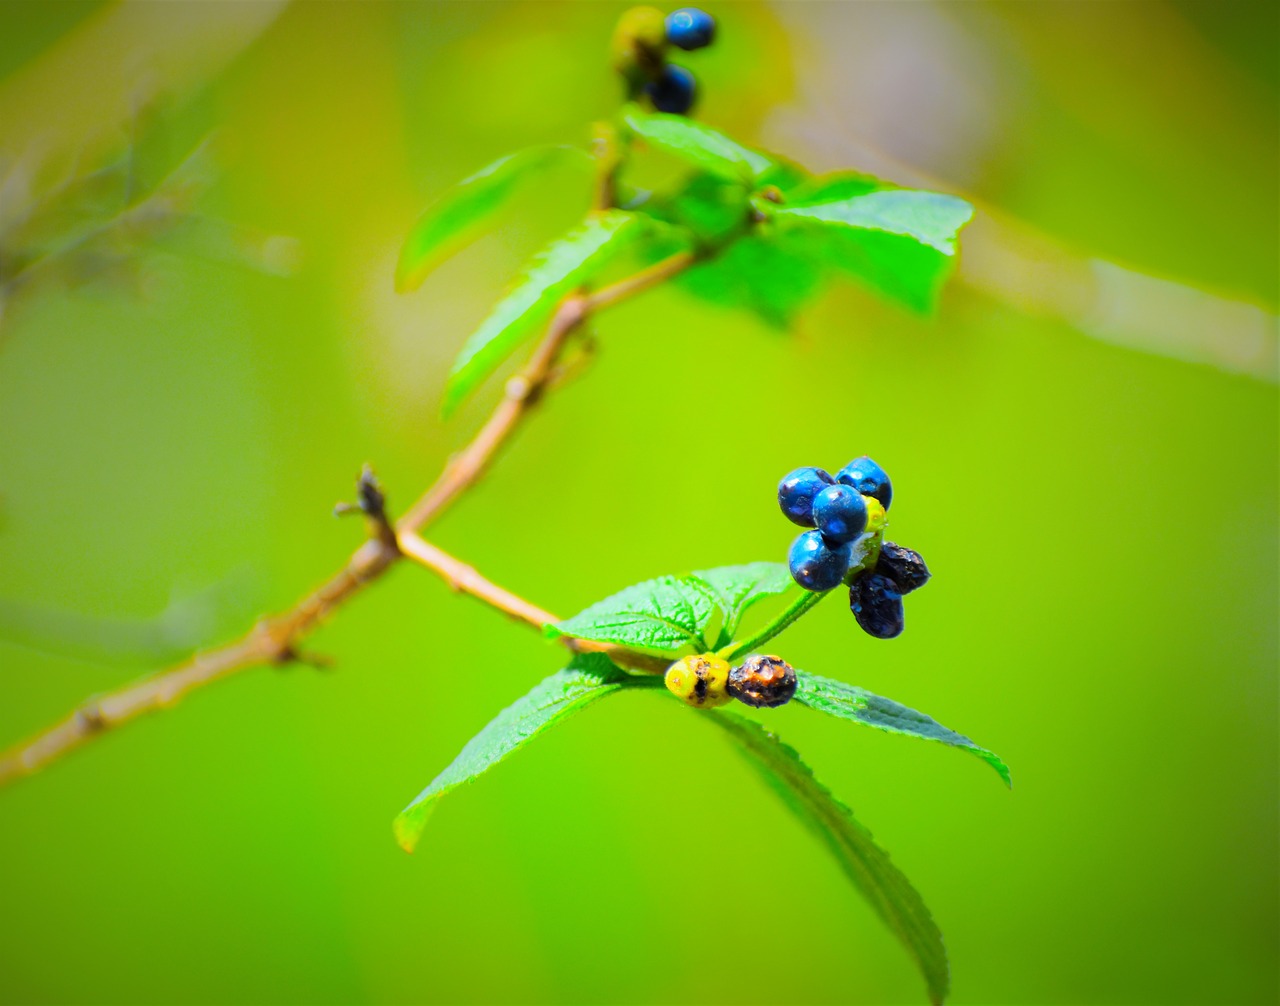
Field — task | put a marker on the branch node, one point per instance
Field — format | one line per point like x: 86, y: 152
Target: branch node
x: 372, y: 502
x: 274, y: 641
x: 90, y: 717
x: 311, y: 658
x: 519, y: 388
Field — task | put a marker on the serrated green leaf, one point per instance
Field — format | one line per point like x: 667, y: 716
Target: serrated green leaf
x: 661, y: 616
x: 700, y: 145
x: 710, y: 207
x: 737, y: 588
x: 900, y: 241
x: 900, y: 268
x: 559, y: 269
x: 835, y: 187
x: 849, y: 702
x: 932, y: 218
x: 864, y: 863
x: 786, y: 175
x: 457, y: 218
x: 589, y: 677
x: 670, y: 614
x: 773, y: 275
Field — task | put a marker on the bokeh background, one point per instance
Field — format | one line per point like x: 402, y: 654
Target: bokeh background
x: 1083, y: 444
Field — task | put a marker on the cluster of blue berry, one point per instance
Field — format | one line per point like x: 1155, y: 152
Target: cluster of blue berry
x: 675, y: 89
x: 841, y: 511
x: 640, y: 44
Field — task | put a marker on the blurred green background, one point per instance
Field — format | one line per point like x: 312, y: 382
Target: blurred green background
x: 183, y: 398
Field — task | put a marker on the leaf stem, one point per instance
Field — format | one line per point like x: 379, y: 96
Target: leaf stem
x: 798, y: 607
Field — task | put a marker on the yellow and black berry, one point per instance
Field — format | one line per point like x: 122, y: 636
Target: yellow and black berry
x: 701, y: 680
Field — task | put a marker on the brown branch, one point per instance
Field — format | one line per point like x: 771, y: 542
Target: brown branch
x: 655, y: 274
x: 469, y: 580
x: 275, y: 640
x: 521, y: 392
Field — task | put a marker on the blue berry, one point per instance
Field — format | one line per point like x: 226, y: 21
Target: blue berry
x: 876, y: 602
x: 797, y: 490
x: 840, y: 514
x: 689, y: 28
x: 674, y: 91
x: 815, y: 565
x: 903, y: 566
x: 868, y: 478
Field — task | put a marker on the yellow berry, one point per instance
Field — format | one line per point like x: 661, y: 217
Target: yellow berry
x: 875, y: 514
x: 639, y: 43
x: 701, y: 680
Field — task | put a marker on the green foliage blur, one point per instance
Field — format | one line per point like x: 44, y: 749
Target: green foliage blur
x: 183, y: 396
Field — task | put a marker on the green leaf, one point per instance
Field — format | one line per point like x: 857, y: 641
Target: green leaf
x: 589, y: 677
x: 772, y: 275
x: 560, y: 268
x: 849, y: 702
x: 662, y: 616
x: 932, y: 218
x: 900, y: 241
x: 672, y: 613
x: 456, y: 219
x: 897, y: 267
x: 788, y: 176
x: 834, y: 187
x: 700, y: 145
x: 865, y: 863
x: 737, y: 588
x: 710, y: 207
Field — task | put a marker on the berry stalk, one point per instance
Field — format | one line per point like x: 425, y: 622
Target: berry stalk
x: 800, y: 606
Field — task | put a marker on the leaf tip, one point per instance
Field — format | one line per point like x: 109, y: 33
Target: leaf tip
x: 406, y: 837
x: 412, y: 267
x: 405, y: 281
x: 410, y: 823
x: 451, y: 399
x: 997, y: 763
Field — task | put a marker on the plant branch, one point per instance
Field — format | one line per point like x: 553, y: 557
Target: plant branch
x: 275, y: 640
x: 469, y: 580
x: 654, y: 275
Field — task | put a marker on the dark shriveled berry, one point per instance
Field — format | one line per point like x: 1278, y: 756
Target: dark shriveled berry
x: 674, y: 91
x: 763, y: 681
x: 815, y: 565
x: 903, y: 566
x: 868, y: 478
x: 840, y: 514
x: 876, y: 602
x: 797, y: 490
x: 690, y: 28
